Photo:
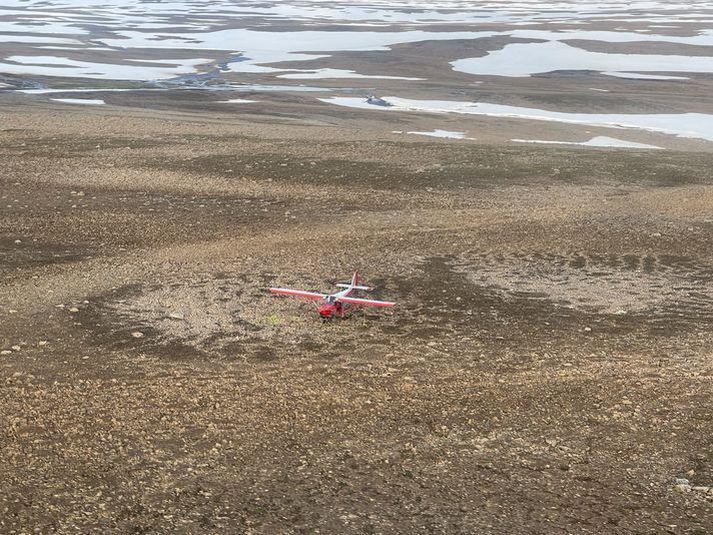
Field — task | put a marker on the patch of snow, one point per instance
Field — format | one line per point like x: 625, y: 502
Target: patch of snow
x: 598, y: 141
x: 442, y: 133
x: 88, y: 101
x: 642, y: 76
x: 354, y: 102
x: 690, y: 125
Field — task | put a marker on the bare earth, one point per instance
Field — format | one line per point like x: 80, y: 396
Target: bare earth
x: 548, y: 368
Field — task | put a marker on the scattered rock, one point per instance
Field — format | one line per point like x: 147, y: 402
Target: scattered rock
x: 5, y: 352
x: 16, y: 348
x: 74, y: 310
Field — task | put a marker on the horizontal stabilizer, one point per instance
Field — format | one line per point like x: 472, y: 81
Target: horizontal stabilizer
x: 345, y: 285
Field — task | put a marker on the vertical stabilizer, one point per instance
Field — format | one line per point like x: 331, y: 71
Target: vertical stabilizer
x: 354, y: 283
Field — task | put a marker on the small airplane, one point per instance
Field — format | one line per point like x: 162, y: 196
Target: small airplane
x: 338, y: 303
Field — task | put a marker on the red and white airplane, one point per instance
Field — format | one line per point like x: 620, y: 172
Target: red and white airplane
x: 338, y: 303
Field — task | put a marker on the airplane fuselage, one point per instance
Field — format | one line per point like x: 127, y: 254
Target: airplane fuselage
x: 331, y: 307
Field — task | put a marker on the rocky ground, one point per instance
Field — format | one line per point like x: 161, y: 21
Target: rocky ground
x: 548, y: 368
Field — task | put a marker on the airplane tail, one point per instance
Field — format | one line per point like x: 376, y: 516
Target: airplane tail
x: 354, y: 284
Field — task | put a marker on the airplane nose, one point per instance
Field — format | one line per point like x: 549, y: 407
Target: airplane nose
x: 325, y: 311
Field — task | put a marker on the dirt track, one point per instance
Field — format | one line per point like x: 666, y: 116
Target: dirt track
x: 548, y: 368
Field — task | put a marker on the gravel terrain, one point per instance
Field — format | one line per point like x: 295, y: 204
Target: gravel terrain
x: 548, y: 367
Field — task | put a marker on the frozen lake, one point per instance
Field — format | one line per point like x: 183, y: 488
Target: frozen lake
x: 537, y: 58
x: 261, y: 37
x: 435, y: 51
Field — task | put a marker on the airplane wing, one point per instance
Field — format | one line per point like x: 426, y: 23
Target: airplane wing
x: 365, y: 302
x: 297, y: 293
